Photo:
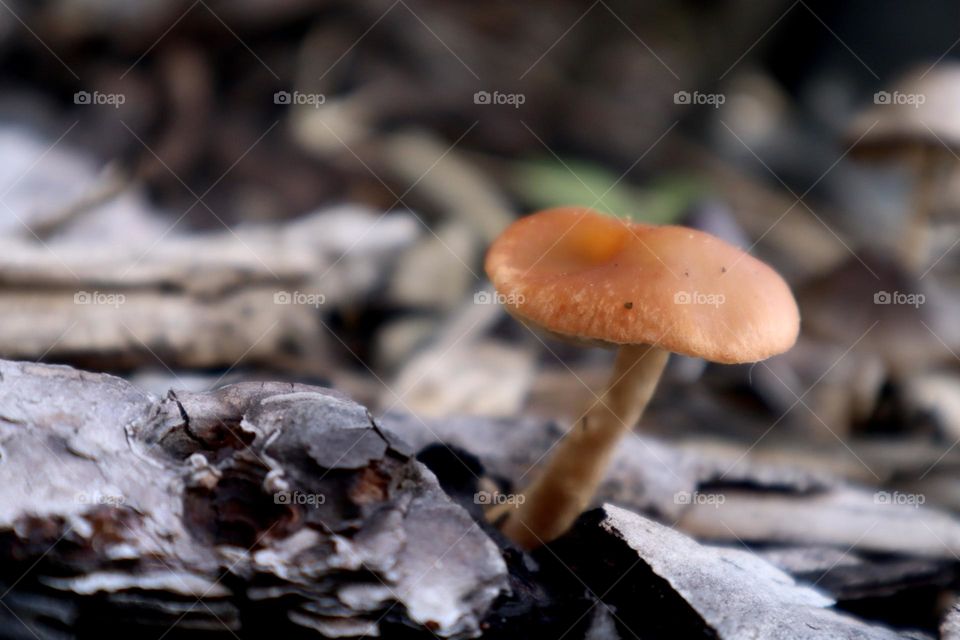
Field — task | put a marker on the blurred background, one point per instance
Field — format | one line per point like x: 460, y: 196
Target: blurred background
x: 197, y: 193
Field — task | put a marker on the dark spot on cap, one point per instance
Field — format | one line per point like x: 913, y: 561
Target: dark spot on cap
x: 723, y: 269
x: 628, y: 305
x: 686, y: 273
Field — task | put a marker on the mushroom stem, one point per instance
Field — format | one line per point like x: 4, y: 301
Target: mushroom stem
x: 913, y: 249
x: 567, y: 483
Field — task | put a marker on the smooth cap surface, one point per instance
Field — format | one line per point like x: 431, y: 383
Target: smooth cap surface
x: 587, y: 276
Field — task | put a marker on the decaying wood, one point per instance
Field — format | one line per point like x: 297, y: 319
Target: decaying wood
x: 861, y: 542
x: 950, y: 629
x: 268, y: 507
x: 252, y: 509
x: 845, y: 517
x: 848, y: 575
x: 862, y: 460
x: 706, y: 591
x: 646, y: 473
x: 201, y: 300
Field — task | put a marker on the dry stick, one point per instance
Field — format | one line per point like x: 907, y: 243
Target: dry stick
x: 913, y: 249
x: 109, y: 184
x: 567, y: 483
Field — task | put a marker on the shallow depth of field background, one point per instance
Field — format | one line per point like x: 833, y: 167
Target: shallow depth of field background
x: 193, y: 194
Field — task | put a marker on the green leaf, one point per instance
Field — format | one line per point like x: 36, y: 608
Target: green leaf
x: 547, y: 182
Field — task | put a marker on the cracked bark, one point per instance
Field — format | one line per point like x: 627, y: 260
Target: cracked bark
x: 255, y: 508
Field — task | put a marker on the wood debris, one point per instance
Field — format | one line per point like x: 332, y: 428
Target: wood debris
x: 257, y: 506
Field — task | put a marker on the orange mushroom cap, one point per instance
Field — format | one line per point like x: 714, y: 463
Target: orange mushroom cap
x: 587, y: 276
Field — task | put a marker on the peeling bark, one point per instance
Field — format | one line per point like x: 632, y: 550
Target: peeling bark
x: 254, y: 507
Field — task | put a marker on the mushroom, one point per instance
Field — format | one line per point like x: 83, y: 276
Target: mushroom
x: 646, y: 290
x: 889, y: 324
x: 916, y: 122
x: 870, y: 304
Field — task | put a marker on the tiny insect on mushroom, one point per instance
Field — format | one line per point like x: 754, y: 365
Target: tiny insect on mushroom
x: 647, y: 290
x: 916, y: 123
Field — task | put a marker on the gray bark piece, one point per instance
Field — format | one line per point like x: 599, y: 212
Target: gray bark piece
x: 950, y: 628
x: 195, y: 301
x: 709, y: 493
x: 847, y: 575
x: 646, y: 473
x: 846, y: 518
x: 739, y: 595
x: 188, y: 506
